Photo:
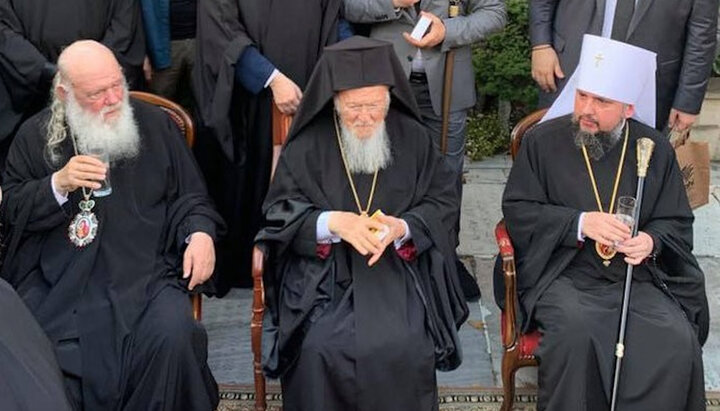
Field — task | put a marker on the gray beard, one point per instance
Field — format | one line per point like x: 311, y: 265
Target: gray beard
x: 597, y: 144
x: 120, y: 137
x: 365, y: 156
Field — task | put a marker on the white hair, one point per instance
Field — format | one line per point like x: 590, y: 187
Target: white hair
x: 120, y: 137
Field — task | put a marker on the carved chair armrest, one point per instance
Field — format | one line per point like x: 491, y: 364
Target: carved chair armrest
x: 507, y: 253
x: 258, y: 311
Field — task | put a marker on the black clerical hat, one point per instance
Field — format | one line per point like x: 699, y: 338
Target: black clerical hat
x: 354, y: 63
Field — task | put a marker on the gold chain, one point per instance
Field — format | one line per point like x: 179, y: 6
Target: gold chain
x: 617, y: 175
x: 349, y: 176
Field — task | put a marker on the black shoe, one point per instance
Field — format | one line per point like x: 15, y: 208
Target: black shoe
x: 469, y: 285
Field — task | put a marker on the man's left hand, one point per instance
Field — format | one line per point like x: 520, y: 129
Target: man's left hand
x: 397, y: 231
x: 199, y: 259
x: 637, y: 248
x: 681, y: 121
x: 435, y: 36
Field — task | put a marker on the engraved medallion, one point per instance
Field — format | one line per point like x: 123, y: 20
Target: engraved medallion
x: 83, y: 227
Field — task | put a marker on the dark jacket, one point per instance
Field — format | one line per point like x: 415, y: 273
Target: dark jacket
x: 682, y: 33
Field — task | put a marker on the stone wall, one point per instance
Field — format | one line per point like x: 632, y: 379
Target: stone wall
x: 707, y: 126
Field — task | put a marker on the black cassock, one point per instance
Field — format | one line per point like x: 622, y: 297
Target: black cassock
x: 34, y: 32
x: 235, y: 146
x: 575, y: 300
x: 342, y: 335
x: 30, y: 378
x: 115, y: 311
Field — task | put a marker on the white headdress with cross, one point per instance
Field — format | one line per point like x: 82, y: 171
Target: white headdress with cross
x: 614, y: 70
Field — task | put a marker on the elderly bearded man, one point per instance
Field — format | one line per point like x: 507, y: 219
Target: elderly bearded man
x: 559, y: 203
x: 363, y: 307
x: 111, y: 298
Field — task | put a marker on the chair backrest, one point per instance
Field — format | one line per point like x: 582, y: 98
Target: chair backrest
x: 518, y: 132
x: 185, y: 123
x: 175, y: 111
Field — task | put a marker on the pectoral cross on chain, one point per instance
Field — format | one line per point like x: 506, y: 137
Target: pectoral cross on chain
x: 598, y: 58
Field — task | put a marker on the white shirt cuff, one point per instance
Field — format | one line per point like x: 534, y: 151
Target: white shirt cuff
x: 322, y: 232
x: 61, y: 199
x: 408, y: 236
x: 271, y: 78
x: 580, y: 235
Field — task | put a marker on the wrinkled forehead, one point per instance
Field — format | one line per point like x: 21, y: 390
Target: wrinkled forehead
x: 86, y: 71
x: 364, y: 95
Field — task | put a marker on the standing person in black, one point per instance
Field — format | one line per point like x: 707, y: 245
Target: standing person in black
x: 251, y: 54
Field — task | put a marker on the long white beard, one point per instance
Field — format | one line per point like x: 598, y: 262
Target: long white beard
x: 120, y: 137
x: 369, y: 154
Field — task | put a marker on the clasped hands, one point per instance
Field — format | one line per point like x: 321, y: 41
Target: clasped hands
x: 605, y: 229
x: 357, y: 230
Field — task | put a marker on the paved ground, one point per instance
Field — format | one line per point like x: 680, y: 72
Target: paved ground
x: 227, y: 320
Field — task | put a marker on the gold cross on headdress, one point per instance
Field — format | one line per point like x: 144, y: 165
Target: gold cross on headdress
x: 598, y: 58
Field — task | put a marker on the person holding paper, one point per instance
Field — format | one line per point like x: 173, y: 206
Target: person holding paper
x: 362, y: 295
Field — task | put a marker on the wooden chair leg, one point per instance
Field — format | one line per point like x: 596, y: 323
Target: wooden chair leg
x: 508, y: 380
x: 197, y: 306
x: 258, y: 311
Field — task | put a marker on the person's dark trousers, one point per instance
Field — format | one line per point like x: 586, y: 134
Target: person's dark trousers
x: 174, y: 82
x: 455, y: 157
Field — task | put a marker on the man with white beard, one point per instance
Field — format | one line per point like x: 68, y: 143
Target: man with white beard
x: 361, y: 290
x: 108, y: 277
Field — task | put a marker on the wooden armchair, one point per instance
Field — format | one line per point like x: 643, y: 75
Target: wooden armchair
x: 187, y: 128
x: 281, y: 127
x: 518, y: 348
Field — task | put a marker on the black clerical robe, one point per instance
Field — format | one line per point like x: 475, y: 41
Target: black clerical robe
x: 235, y: 146
x: 30, y: 378
x: 34, y: 32
x: 343, y: 335
x: 575, y: 301
x: 115, y: 311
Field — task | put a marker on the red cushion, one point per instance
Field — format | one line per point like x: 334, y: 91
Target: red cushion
x: 528, y: 343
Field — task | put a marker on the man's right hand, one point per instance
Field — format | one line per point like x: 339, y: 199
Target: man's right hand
x: 286, y: 94
x: 401, y: 4
x: 545, y: 67
x: 604, y: 228
x: 355, y: 229
x: 80, y: 171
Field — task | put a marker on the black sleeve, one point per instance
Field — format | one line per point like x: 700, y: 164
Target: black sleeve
x: 542, y: 14
x: 125, y: 35
x: 532, y: 221
x: 188, y: 186
x: 29, y: 203
x: 25, y: 71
